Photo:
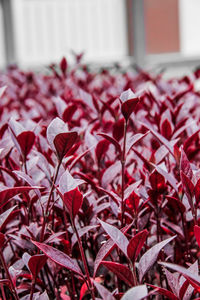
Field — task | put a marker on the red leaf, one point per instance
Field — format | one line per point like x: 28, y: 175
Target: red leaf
x: 5, y: 216
x: 63, y: 65
x: 197, y: 234
x: 118, y: 129
x: 36, y: 263
x: 59, y: 257
x: 101, y: 149
x: 185, y: 272
x: 166, y: 129
x: 63, y: 143
x: 123, y: 272
x: 112, y: 141
x: 135, y: 244
x: 185, y: 165
x: 128, y: 103
x: 73, y: 201
x: 149, y: 258
x: 105, y: 294
x: 157, y: 181
x: 164, y: 292
x: 197, y: 192
x: 116, y: 235
x: 188, y: 188
x: 106, y: 249
x: 137, y: 293
x: 26, y: 140
x: 9, y: 193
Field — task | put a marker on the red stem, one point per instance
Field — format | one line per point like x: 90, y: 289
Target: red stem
x: 123, y: 162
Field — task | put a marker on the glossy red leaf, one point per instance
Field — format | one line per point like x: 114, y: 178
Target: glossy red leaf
x: 137, y: 293
x: 59, y: 257
x: 135, y: 244
x: 36, y: 263
x: 116, y: 235
x: 166, y: 129
x: 122, y: 271
x: 63, y: 142
x: 150, y: 256
x: 26, y: 141
x: 73, y: 201
x: 9, y: 193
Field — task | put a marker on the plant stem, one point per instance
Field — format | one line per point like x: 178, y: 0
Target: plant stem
x: 48, y: 202
x: 91, y: 288
x: 32, y: 288
x: 123, y: 161
x: 13, y: 289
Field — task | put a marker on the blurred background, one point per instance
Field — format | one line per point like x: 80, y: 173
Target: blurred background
x: 34, y: 33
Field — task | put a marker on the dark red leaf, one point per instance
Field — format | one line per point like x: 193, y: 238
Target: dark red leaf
x: 36, y: 263
x: 197, y: 234
x: 63, y: 65
x: 73, y: 201
x: 63, y: 143
x: 26, y: 140
x: 166, y: 129
x: 188, y: 188
x: 2, y: 239
x: 197, y: 192
x: 185, y: 165
x: 5, y: 215
x: 157, y: 182
x: 59, y: 257
x: 135, y: 245
x: 122, y: 272
x: 128, y: 103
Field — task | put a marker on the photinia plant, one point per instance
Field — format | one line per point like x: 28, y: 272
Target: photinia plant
x: 99, y: 187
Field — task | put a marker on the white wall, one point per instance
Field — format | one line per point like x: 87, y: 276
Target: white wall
x: 45, y: 30
x: 189, y: 12
x: 2, y: 54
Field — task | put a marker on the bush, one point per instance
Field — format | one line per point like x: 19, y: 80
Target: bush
x: 100, y: 184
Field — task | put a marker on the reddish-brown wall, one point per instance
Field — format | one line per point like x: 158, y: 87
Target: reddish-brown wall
x: 162, y: 26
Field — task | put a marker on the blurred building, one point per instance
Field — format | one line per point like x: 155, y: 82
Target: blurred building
x: 39, y: 32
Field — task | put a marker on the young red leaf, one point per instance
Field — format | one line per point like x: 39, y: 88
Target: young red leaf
x: 135, y: 245
x: 137, y: 293
x: 197, y: 234
x: 59, y: 257
x: 128, y: 100
x: 150, y: 256
x: 63, y: 66
x: 26, y: 141
x: 166, y: 129
x: 116, y: 235
x: 56, y: 127
x: 63, y: 142
x: 73, y: 201
x: 36, y: 263
x: 123, y: 272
